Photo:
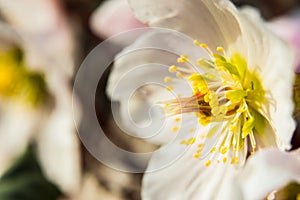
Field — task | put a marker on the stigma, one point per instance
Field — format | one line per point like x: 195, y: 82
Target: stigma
x: 225, y: 95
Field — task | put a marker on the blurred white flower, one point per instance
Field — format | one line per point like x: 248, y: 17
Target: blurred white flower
x: 43, y: 33
x: 241, y: 94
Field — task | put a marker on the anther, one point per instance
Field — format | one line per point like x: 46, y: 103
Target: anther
x: 168, y: 79
x: 175, y: 128
x: 208, y: 163
x: 173, y: 68
x: 169, y: 88
x: 182, y: 59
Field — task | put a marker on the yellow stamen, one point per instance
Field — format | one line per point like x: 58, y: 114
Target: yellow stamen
x: 213, y: 150
x: 172, y: 68
x: 221, y: 49
x: 178, y: 119
x: 175, y: 128
x: 182, y: 59
x: 223, y: 150
x: 180, y: 75
x: 208, y: 163
x: 203, y: 45
x: 196, y: 155
x: 167, y: 79
x: 197, y: 43
x: 169, y: 88
x: 191, y: 141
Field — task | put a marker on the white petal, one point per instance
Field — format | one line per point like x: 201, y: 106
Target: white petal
x: 155, y: 46
x: 269, y: 170
x: 212, y: 21
x: 187, y: 177
x: 58, y: 145
x: 17, y: 127
x: 137, y: 79
x: 274, y: 62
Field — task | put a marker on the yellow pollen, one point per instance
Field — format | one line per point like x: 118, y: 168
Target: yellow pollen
x: 168, y: 79
x: 180, y: 75
x: 196, y: 155
x: 208, y: 163
x: 206, y: 98
x: 223, y: 150
x: 173, y: 68
x: 220, y: 49
x: 197, y: 43
x: 200, y: 145
x: 203, y: 89
x: 232, y: 161
x: 235, y: 160
x: 177, y: 119
x: 191, y: 141
x: 182, y: 59
x: 205, y: 121
x: 203, y: 45
x: 232, y: 128
x: 169, y: 88
x: 213, y: 150
x: 182, y: 142
x: 224, y: 160
x: 175, y: 128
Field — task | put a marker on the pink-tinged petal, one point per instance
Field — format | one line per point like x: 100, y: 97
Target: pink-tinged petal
x: 269, y: 170
x: 211, y: 21
x: 113, y: 17
x: 288, y: 28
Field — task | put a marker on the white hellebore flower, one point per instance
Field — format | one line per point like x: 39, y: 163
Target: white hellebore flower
x: 241, y: 77
x: 42, y: 32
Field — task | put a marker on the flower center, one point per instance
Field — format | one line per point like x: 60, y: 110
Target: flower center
x: 17, y: 83
x: 228, y: 96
